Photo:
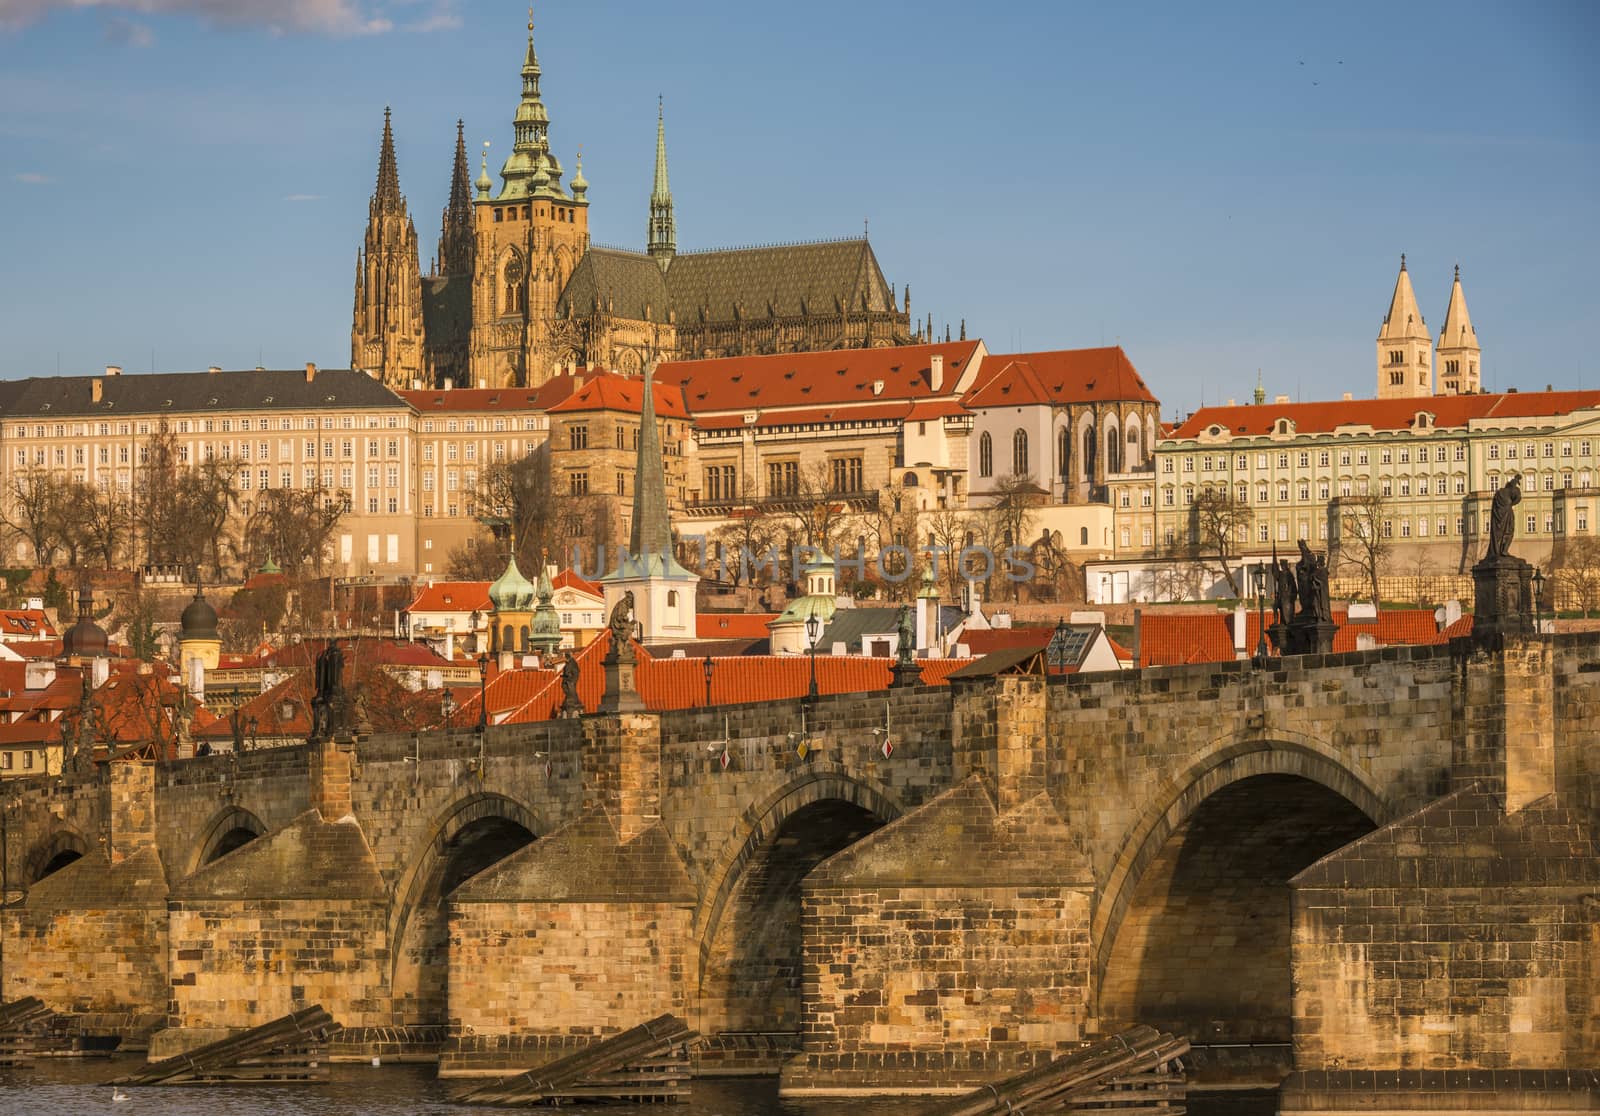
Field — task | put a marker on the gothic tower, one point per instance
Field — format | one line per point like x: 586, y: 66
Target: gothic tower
x: 529, y: 238
x: 447, y: 292
x: 1459, y: 355
x: 1405, y: 347
x: 663, y: 234
x: 386, y: 336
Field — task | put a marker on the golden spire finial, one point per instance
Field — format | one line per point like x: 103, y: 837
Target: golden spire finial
x: 530, y: 20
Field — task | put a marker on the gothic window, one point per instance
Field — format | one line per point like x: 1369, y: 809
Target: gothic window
x: 985, y: 455
x: 1063, y: 451
x: 514, y: 289
x: 1083, y: 536
x: 1113, y: 452
x: 1019, y: 453
x: 1090, y: 449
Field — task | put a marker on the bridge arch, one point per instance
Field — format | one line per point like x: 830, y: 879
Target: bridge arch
x: 54, y: 853
x: 747, y: 926
x: 1192, y: 931
x: 229, y: 828
x: 468, y: 836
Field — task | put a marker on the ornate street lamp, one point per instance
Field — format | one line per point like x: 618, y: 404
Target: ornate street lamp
x: 1538, y: 597
x: 255, y: 723
x: 447, y: 706
x: 813, y: 632
x: 708, y: 666
x: 1259, y: 578
x: 1058, y: 647
x: 483, y: 692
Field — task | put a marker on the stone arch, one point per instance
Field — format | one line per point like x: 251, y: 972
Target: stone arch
x: 229, y: 828
x: 825, y: 794
x: 54, y: 853
x: 1219, y: 766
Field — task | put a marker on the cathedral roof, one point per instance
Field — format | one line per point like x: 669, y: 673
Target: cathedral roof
x: 783, y: 280
x: 607, y: 391
x: 627, y: 284
x: 157, y: 393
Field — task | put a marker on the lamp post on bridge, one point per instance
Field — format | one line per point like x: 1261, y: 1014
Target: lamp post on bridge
x: 708, y: 666
x: 483, y: 692
x: 813, y: 633
x: 1258, y: 578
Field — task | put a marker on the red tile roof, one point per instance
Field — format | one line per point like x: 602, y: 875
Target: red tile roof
x: 936, y: 408
x: 1173, y: 639
x: 453, y: 596
x: 608, y: 391
x: 459, y: 400
x: 1449, y: 411
x: 566, y: 579
x: 733, y: 625
x: 815, y: 380
x: 27, y: 623
x: 1061, y: 376
x: 982, y: 643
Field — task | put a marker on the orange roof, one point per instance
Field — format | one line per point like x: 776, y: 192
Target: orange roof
x: 35, y: 648
x: 566, y: 579
x: 542, y: 398
x: 733, y: 625
x: 1172, y: 639
x: 608, y: 391
x: 1061, y: 376
x: 29, y: 623
x: 936, y: 408
x: 814, y: 380
x: 453, y: 596
x: 982, y: 643
x: 1449, y: 411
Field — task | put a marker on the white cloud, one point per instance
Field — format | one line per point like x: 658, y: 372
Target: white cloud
x: 302, y: 197
x: 32, y: 178
x: 125, y: 32
x: 317, y: 17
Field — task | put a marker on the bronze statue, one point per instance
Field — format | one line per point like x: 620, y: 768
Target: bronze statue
x: 1283, y: 592
x: 907, y: 649
x: 1503, y: 519
x: 328, y: 701
x: 1312, y: 575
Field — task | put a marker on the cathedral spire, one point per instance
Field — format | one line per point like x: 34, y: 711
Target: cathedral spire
x: 455, y: 228
x: 663, y: 230
x: 1459, y: 355
x: 387, y: 196
x: 652, y: 531
x: 531, y: 169
x: 1405, y: 347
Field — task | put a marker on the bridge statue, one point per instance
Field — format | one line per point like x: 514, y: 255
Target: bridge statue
x: 571, y: 703
x: 327, y: 703
x: 1283, y: 592
x: 1503, y: 519
x: 621, y: 622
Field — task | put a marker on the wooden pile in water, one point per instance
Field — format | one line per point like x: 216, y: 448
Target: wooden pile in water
x: 18, y: 1021
x: 648, y: 1064
x: 286, y: 1050
x: 1132, y: 1073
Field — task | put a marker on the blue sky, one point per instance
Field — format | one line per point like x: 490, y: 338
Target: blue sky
x: 1217, y: 187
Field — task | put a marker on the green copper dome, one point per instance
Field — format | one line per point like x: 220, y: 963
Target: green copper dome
x: 511, y: 592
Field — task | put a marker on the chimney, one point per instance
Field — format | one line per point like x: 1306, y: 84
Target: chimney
x: 936, y: 372
x: 97, y: 389
x: 1348, y: 397
x: 416, y: 385
x: 1240, y: 624
x: 113, y: 370
x: 311, y: 372
x: 449, y: 383
x: 214, y: 369
x: 482, y: 383
x: 1138, y: 626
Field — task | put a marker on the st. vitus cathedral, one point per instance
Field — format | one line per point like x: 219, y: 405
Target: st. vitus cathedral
x: 516, y: 294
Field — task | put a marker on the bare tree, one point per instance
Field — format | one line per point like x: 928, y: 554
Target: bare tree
x: 1576, y: 576
x: 1364, y: 543
x: 293, y: 527
x: 949, y: 530
x: 1218, y: 526
x: 33, y: 508
x: 105, y: 521
x: 1007, y: 522
x: 818, y: 511
x: 750, y: 533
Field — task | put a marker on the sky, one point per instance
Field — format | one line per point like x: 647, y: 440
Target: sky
x: 1219, y: 188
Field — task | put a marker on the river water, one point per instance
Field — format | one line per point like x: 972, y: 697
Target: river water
x: 70, y: 1087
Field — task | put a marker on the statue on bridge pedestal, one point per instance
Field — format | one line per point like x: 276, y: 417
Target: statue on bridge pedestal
x: 1502, y: 582
x: 328, y: 701
x: 571, y: 703
x: 1503, y: 519
x: 1312, y: 575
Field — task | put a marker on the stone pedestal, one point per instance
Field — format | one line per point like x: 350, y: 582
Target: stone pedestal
x: 1504, y: 598
x: 1304, y: 636
x: 622, y: 688
x: 1279, y: 635
x: 904, y: 674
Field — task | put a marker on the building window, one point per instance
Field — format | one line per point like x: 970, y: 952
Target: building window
x: 783, y: 478
x: 986, y: 456
x: 1019, y: 453
x: 578, y: 437
x: 578, y: 483
x: 846, y: 474
x: 1533, y: 524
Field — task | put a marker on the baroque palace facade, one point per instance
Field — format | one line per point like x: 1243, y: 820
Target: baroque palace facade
x: 516, y: 293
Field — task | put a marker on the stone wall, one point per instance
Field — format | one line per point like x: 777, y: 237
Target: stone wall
x: 1456, y: 938
x: 238, y: 964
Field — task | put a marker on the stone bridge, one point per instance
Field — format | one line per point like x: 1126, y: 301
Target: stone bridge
x: 1031, y: 861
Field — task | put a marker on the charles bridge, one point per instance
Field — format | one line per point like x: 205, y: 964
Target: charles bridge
x: 1032, y: 860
